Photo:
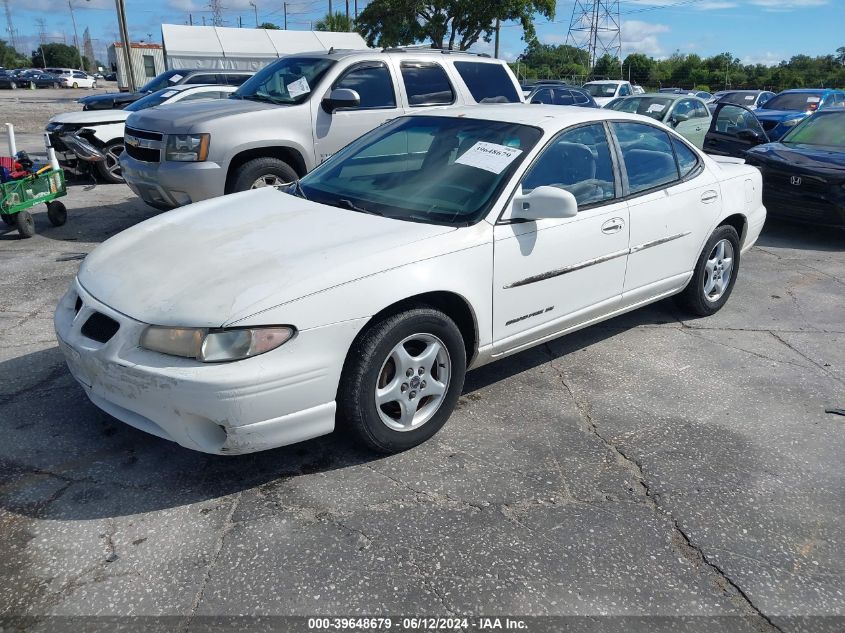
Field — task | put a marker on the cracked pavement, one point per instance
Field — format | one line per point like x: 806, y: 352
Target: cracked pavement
x: 648, y: 466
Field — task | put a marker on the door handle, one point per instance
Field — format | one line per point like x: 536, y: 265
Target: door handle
x: 709, y: 196
x: 614, y: 225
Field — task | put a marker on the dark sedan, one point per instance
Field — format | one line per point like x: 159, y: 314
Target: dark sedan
x: 7, y: 81
x: 803, y: 173
x: 42, y: 80
x: 560, y: 95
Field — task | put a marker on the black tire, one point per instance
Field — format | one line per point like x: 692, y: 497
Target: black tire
x: 57, y: 213
x: 252, y: 170
x: 56, y: 85
x: 104, y: 168
x: 694, y: 298
x: 26, y: 225
x: 9, y: 220
x: 368, y: 355
x: 75, y: 85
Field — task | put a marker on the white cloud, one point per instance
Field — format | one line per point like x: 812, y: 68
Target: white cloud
x: 788, y: 5
x: 768, y: 59
x: 641, y: 37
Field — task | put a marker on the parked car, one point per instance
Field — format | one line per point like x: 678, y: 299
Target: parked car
x: 605, y: 91
x: 638, y: 90
x: 8, y: 81
x: 558, y: 95
x: 688, y: 115
x: 110, y: 77
x: 167, y: 79
x: 77, y: 79
x: 42, y: 80
x: 104, y: 130
x: 788, y: 108
x: 372, y: 285
x: 803, y: 172
x: 292, y: 115
x: 752, y: 99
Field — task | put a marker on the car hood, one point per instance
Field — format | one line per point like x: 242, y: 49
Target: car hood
x: 806, y: 158
x: 91, y: 117
x: 194, y: 116
x: 778, y: 115
x: 217, y: 261
x: 112, y: 96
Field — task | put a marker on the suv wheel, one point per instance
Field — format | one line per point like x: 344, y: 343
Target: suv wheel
x: 263, y: 172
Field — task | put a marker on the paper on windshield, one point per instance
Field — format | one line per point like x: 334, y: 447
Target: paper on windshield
x: 489, y: 157
x: 749, y: 97
x: 298, y: 87
x: 169, y: 93
x: 656, y: 107
x: 175, y: 78
x: 813, y: 99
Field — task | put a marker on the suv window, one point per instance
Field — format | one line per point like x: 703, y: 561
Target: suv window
x: 373, y: 84
x: 202, y: 79
x: 647, y: 154
x: 624, y: 91
x: 578, y: 160
x: 235, y: 80
x: 426, y: 84
x: 488, y: 82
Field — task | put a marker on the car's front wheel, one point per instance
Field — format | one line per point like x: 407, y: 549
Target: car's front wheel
x: 715, y: 273
x: 109, y: 168
x: 263, y: 172
x: 402, y: 379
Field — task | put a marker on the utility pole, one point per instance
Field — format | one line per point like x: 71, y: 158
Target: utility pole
x: 330, y: 8
x: 75, y: 36
x: 356, y: 9
x: 347, y: 10
x: 254, y: 8
x: 285, y: 7
x: 42, y: 35
x: 10, y: 26
x: 190, y: 20
x: 240, y: 23
x: 127, y: 45
x: 496, y: 48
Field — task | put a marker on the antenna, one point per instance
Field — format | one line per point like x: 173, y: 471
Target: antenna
x: 10, y: 25
x: 595, y: 28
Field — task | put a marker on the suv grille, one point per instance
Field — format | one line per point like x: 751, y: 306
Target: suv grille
x: 143, y: 153
x: 100, y: 328
x: 150, y: 136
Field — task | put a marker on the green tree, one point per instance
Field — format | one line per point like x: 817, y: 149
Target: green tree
x: 59, y: 55
x: 452, y: 24
x: 10, y: 58
x: 606, y: 66
x: 840, y: 55
x: 548, y: 61
x: 337, y: 21
x: 637, y: 67
x: 269, y: 25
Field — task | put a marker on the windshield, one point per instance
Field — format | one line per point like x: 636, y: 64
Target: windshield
x: 798, y: 101
x: 164, y: 80
x: 437, y: 170
x: 285, y: 82
x: 654, y: 107
x: 825, y: 128
x: 739, y: 98
x: 600, y: 90
x: 154, y: 99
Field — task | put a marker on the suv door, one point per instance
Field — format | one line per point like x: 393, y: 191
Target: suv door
x: 376, y: 87
x: 733, y: 131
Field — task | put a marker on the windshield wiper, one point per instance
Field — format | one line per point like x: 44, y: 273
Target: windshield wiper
x: 351, y: 205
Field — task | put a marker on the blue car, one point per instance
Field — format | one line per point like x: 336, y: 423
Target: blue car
x: 787, y: 109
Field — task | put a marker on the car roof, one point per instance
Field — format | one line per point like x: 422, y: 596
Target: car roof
x: 548, y: 117
x: 815, y: 91
x: 426, y: 51
x: 606, y: 81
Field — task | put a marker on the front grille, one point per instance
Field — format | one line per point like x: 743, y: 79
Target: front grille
x: 100, y: 328
x: 777, y: 179
x: 150, y: 136
x: 145, y: 154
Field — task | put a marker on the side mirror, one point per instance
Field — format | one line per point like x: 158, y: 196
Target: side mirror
x: 341, y: 98
x: 678, y: 118
x: 544, y: 202
x: 752, y: 136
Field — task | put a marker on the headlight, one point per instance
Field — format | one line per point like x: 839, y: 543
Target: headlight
x: 214, y: 346
x: 187, y: 147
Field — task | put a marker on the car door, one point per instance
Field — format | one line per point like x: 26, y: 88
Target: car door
x: 672, y: 200
x: 688, y: 121
x: 554, y: 273
x: 733, y: 131
x: 376, y: 86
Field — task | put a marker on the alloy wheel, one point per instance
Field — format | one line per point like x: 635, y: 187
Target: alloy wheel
x: 268, y: 180
x: 718, y: 269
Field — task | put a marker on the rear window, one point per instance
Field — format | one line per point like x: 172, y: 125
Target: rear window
x: 488, y: 83
x: 799, y: 101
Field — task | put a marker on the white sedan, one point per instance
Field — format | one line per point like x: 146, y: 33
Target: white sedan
x: 433, y: 244
x: 104, y: 128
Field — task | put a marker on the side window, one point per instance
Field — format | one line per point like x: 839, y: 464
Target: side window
x: 647, y: 154
x: 701, y: 111
x: 543, y: 95
x: 687, y: 159
x: 732, y: 119
x: 372, y: 83
x: 234, y: 80
x: 488, y: 82
x: 149, y: 66
x: 839, y: 99
x: 563, y: 97
x: 79, y: 75
x: 580, y: 97
x: 684, y: 108
x: 764, y: 97
x: 427, y: 84
x: 201, y: 94
x: 578, y: 160
x: 202, y: 79
x: 624, y: 91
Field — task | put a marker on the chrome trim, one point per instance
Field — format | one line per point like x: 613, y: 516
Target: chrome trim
x: 662, y: 240
x: 592, y: 262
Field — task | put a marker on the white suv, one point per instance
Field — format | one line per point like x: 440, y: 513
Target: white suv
x: 70, y: 78
x: 292, y: 115
x: 607, y: 90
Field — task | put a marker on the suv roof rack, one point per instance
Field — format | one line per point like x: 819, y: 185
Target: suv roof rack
x: 422, y: 48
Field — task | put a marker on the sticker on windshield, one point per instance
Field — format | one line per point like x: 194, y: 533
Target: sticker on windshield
x: 175, y: 78
x: 656, y: 107
x: 749, y: 97
x: 489, y: 157
x: 298, y: 87
x: 169, y: 93
x: 813, y: 99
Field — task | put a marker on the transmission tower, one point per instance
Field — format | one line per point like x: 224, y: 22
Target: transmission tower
x: 216, y: 7
x: 595, y: 28
x: 10, y: 25
x: 42, y: 38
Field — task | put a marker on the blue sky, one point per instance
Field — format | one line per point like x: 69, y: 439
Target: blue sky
x: 763, y: 31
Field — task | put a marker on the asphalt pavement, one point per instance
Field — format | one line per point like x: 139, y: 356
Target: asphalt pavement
x: 653, y: 465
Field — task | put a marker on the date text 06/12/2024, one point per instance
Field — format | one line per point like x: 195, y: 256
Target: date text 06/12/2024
x: 416, y: 623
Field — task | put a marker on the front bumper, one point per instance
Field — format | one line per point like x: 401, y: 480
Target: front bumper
x: 278, y: 398
x: 171, y: 184
x: 810, y: 208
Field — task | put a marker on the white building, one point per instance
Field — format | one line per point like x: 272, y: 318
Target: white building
x: 147, y: 61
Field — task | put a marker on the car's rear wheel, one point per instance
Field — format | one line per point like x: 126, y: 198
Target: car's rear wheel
x: 263, y: 172
x: 109, y: 168
x: 13, y: 85
x: 402, y: 379
x: 715, y: 273
x: 75, y: 85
